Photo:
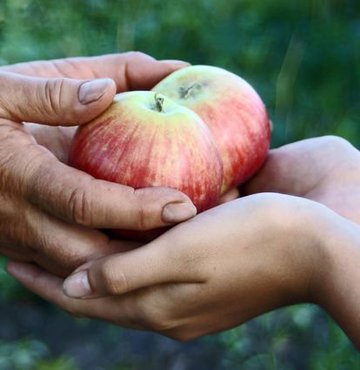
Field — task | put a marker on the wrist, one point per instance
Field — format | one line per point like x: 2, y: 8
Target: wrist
x: 305, y: 253
x: 336, y: 282
x: 298, y: 226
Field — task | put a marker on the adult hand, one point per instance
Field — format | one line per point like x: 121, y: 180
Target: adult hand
x: 213, y: 272
x: 49, y: 211
x: 325, y: 169
x: 129, y: 71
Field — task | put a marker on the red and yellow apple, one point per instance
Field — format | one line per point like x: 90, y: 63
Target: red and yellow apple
x: 202, y: 130
x: 145, y: 139
x: 233, y: 111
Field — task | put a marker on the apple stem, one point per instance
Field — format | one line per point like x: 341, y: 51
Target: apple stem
x: 159, y: 102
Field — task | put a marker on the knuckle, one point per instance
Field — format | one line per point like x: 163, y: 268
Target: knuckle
x: 19, y: 167
x: 57, y: 93
x: 154, y: 318
x: 133, y: 66
x: 112, y: 279
x: 137, y: 55
x: 144, y: 211
x: 53, y: 90
x: 80, y: 204
x: 142, y: 218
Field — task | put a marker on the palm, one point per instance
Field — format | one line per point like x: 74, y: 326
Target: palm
x: 325, y: 169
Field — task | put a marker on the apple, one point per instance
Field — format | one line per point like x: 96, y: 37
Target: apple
x: 233, y: 111
x: 145, y: 139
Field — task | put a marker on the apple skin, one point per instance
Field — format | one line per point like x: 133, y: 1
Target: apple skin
x: 233, y: 111
x: 144, y: 139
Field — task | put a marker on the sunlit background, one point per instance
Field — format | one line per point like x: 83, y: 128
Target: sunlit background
x: 303, y: 57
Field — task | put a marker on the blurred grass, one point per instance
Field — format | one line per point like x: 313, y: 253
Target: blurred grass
x: 304, y: 60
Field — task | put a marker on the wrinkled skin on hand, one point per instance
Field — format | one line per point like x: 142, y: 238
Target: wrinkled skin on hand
x: 49, y: 212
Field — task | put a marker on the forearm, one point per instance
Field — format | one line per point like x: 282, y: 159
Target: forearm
x: 338, y: 291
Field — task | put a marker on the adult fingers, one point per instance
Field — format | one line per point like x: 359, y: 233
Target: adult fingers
x: 131, y: 70
x: 34, y: 236
x: 60, y: 247
x: 138, y: 71
x: 35, y: 278
x: 35, y: 175
x: 49, y: 287
x: 42, y: 283
x: 79, y: 198
x: 55, y: 101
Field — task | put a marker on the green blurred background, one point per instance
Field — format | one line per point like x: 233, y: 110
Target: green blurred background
x: 303, y: 57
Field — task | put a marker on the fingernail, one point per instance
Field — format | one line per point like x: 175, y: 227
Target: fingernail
x: 93, y: 90
x: 177, y: 212
x: 77, y: 285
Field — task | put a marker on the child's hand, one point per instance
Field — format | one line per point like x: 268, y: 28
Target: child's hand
x: 210, y: 273
x: 324, y: 169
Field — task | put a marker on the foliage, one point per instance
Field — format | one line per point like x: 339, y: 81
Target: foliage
x: 273, y: 341
x: 304, y: 59
x: 9, y: 288
x: 29, y: 354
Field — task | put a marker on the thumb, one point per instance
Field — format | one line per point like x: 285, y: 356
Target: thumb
x: 124, y: 272
x: 54, y: 101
